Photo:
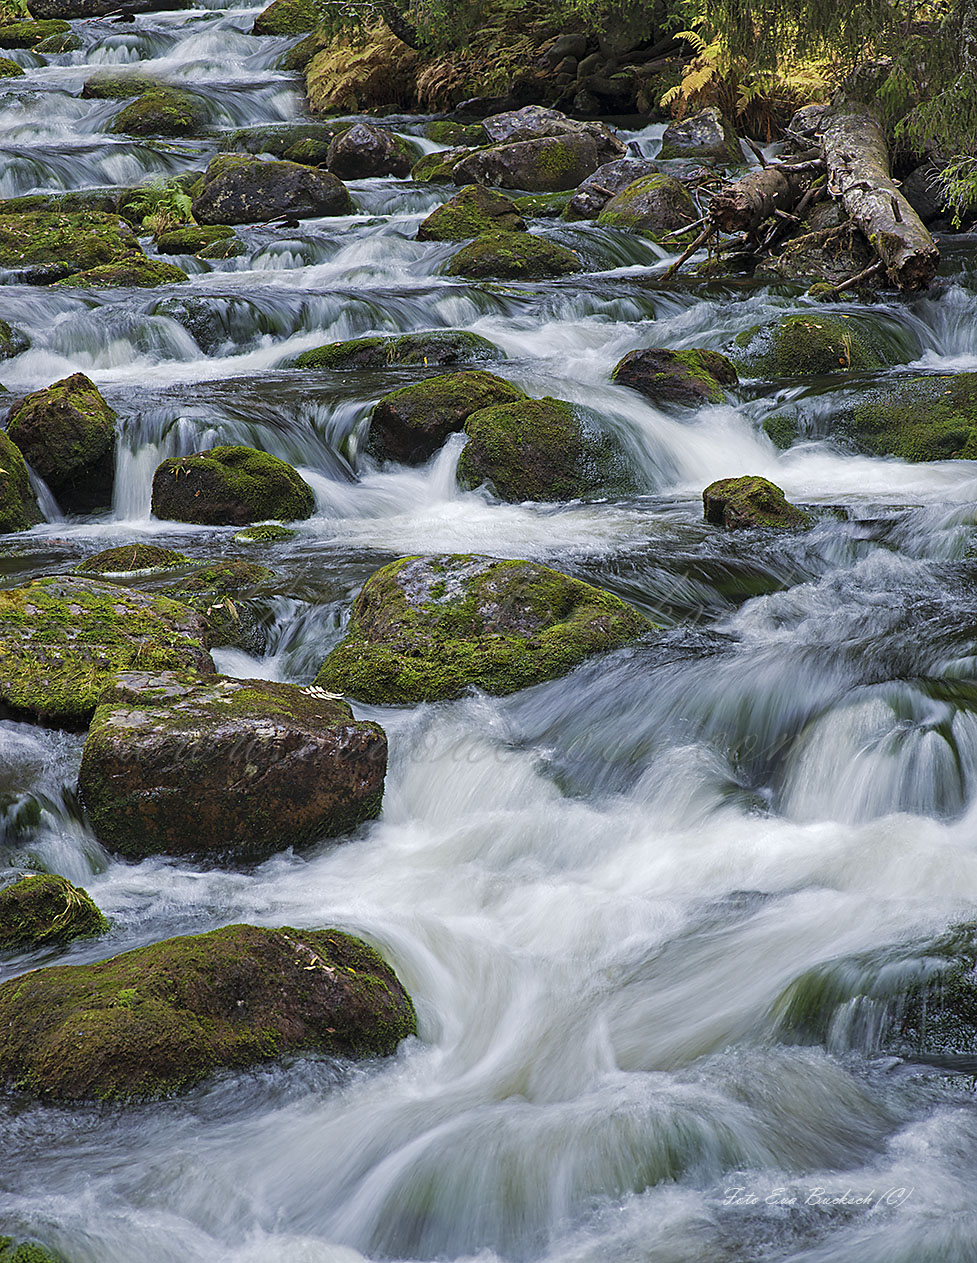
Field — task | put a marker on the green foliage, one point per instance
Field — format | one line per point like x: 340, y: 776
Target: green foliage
x: 957, y: 185
x: 162, y: 205
x: 14, y: 11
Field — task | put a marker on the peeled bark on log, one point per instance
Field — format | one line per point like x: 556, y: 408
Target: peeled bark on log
x: 858, y: 173
x: 743, y: 205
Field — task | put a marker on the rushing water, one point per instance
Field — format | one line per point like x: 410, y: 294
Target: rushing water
x: 595, y: 890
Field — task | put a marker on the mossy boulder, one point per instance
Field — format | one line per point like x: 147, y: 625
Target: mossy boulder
x: 19, y: 510
x: 67, y: 435
x: 513, y: 256
x: 265, y: 533
x: 135, y: 272
x: 438, y: 166
x: 224, y: 769
x: 740, y: 503
x: 654, y: 204
x: 534, y: 122
x: 230, y: 486
x: 279, y: 139
x: 239, y: 190
x: 922, y: 419
x: 132, y: 559
x: 63, y: 638
x: 219, y: 591
x: 782, y: 430
x: 445, y: 131
x: 159, y: 1019
x: 365, y: 151
x: 310, y: 152
x: 296, y: 58
x: 694, y: 376
x: 13, y: 341
x: 439, y: 347
x: 803, y: 345
x: 543, y: 449
x: 473, y: 210
x: 596, y: 191
x: 9, y: 69
x: 424, y: 629
x: 28, y: 33
x: 546, y: 165
x: 704, y: 135
x: 43, y: 909
x: 61, y: 42
x: 48, y: 245
x: 162, y: 111
x: 542, y: 205
x: 193, y: 239
x: 14, y: 1251
x: 411, y: 424
x: 287, y: 17
x: 118, y: 85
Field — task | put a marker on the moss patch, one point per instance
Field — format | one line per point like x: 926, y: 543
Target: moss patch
x: 19, y: 510
x: 136, y: 272
x: 230, y: 486
x: 59, y: 244
x: 925, y: 418
x: 440, y: 166
x: 805, y: 344
x: 162, y: 112
x: 43, y: 909
x: 192, y: 240
x: 739, y: 503
x: 517, y: 256
x: 13, y: 1251
x: 693, y: 376
x: 655, y: 204
x: 266, y: 533
x: 27, y: 34
x: 132, y: 559
x: 287, y: 17
x: 472, y: 211
x: 9, y: 69
x: 118, y: 85
x: 543, y: 205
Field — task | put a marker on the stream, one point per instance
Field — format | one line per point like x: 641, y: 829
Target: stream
x: 596, y: 889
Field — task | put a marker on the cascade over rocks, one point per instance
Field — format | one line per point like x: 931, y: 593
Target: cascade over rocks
x: 230, y: 486
x: 224, y: 769
x: 740, y: 503
x: 365, y: 150
x: 247, y: 191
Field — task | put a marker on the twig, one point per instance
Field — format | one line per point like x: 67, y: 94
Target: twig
x: 680, y: 232
x: 702, y: 238
x: 757, y: 152
x: 852, y: 281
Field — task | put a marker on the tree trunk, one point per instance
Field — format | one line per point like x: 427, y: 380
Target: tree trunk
x: 858, y: 173
x: 745, y: 204
x: 405, y: 30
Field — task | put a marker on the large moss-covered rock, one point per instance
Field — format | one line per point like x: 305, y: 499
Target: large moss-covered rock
x: 193, y: 239
x: 535, y: 166
x: 655, y: 204
x: 705, y: 134
x: 48, y: 245
x: 434, y: 349
x: 925, y: 418
x: 805, y: 344
x: 160, y: 1018
x: 247, y: 191
x: 365, y: 150
x: 230, y: 486
x: 129, y: 559
x: 438, y: 166
x: 10, y: 69
x: 226, y: 769
x: 596, y: 191
x: 64, y: 638
x: 135, y: 272
x: 162, y: 111
x: 694, y: 376
x: 428, y: 628
x: 411, y: 424
x: 28, y: 33
x: 533, y: 122
x: 118, y: 85
x: 13, y: 341
x: 42, y: 909
x: 67, y: 435
x: 278, y: 139
x: 513, y: 256
x: 473, y: 210
x: 287, y: 17
x: 740, y: 503
x: 19, y: 510
x: 543, y: 449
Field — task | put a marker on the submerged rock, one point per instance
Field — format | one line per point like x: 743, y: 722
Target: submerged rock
x: 411, y: 424
x: 805, y: 344
x: 160, y: 1018
x: 472, y: 211
x: 543, y: 449
x: 132, y: 559
x: 230, y: 486
x: 513, y: 256
x: 546, y: 165
x: 693, y: 376
x: 702, y: 135
x: 596, y: 191
x: 427, y: 628
x: 64, y: 638
x: 739, y: 503
x: 67, y: 435
x: 48, y: 245
x: 226, y: 769
x: 656, y: 204
x: 41, y: 909
x: 19, y: 510
x: 365, y: 150
x: 218, y: 592
x: 439, y: 347
x: 248, y: 191
x: 266, y: 533
x: 925, y: 418
x: 162, y: 111
x: 287, y: 17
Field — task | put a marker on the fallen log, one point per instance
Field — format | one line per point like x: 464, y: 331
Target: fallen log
x: 745, y: 204
x: 858, y: 172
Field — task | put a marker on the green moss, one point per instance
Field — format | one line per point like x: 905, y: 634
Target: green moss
x: 12, y: 1251
x: 310, y: 152
x: 19, y: 510
x: 192, y: 239
x: 440, y: 346
x: 751, y: 501
x: 162, y: 112
x: 805, y: 344
x: 63, y: 243
x: 12, y: 341
x: 543, y: 205
x: 437, y: 166
x: 287, y: 17
x: 232, y: 998
x: 655, y: 204
x: 60, y: 42
x: 229, y: 486
x: 267, y: 533
x: 227, y: 576
x: 27, y: 34
x: 542, y: 449
x: 9, y: 69
x: 299, y: 56
x: 118, y: 85
x: 444, y: 132
x: 227, y: 248
x: 136, y: 272
x: 132, y: 559
x: 926, y: 418
x: 513, y: 256
x: 426, y: 629
x: 781, y: 430
x: 44, y: 909
x: 472, y: 211
x: 692, y: 376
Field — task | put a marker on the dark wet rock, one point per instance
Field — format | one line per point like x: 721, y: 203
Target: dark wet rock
x: 922, y: 419
x: 546, y: 165
x: 533, y: 122
x: 223, y: 248
x: 46, y: 245
x: 42, y: 909
x: 693, y: 376
x: 226, y: 769
x: 67, y: 435
x: 64, y: 638
x: 219, y: 592
x: 434, y: 349
x: 28, y: 33
x: 479, y: 107
x: 921, y: 190
x: 543, y: 449
x: 193, y: 239
x: 365, y: 150
x: 740, y: 503
x: 247, y: 191
x: 473, y: 210
x: 19, y: 510
x: 12, y: 341
x: 158, y: 1019
x: 119, y: 85
x: 135, y: 272
x: 277, y: 139
x: 607, y: 181
x: 287, y: 17
x: 297, y: 58
x: 805, y: 344
x: 132, y: 559
x: 411, y: 424
x: 513, y: 256
x: 230, y: 486
x: 428, y: 628
x: 828, y: 249
x: 655, y: 204
x: 162, y: 112
x: 309, y: 152
x: 702, y: 135
x: 10, y: 69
